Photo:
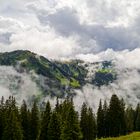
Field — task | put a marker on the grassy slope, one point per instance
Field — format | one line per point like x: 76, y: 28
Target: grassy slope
x: 133, y: 136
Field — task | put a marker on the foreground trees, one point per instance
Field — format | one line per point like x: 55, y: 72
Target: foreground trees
x: 111, y: 119
x: 12, y: 126
x: 46, y: 115
x: 116, y: 117
x: 63, y: 122
x: 71, y: 127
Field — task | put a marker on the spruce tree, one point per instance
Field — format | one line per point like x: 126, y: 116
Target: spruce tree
x: 25, y: 121
x: 136, y: 114
x: 2, y: 117
x: 88, y: 123
x: 71, y: 127
x: 83, y: 121
x: 45, y: 122
x: 100, y: 121
x: 34, y: 122
x: 12, y: 129
x: 116, y: 117
x: 129, y: 116
x: 105, y: 120
x: 54, y: 129
x: 91, y: 123
x: 122, y: 118
x: 138, y: 119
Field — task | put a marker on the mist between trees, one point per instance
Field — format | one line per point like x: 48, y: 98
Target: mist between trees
x: 64, y: 123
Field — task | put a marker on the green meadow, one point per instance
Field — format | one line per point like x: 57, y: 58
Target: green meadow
x: 133, y: 136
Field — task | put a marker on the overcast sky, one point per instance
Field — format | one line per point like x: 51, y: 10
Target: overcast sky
x: 70, y: 28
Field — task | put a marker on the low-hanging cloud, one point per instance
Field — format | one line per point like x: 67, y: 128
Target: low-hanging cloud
x: 19, y: 85
x: 126, y: 65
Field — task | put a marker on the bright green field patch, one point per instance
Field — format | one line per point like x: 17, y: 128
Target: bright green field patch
x: 104, y: 71
x: 133, y: 136
x: 74, y: 83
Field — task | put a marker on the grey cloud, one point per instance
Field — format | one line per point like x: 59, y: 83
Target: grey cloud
x: 66, y: 22
x: 5, y: 38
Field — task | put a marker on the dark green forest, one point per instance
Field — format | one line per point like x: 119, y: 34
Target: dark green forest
x: 63, y: 122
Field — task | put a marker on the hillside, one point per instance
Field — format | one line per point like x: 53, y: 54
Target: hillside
x: 133, y: 136
x: 57, y: 78
x: 49, y: 76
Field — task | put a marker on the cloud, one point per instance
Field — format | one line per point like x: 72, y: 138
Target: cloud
x: 46, y: 43
x: 19, y: 85
x: 126, y: 65
x: 61, y: 28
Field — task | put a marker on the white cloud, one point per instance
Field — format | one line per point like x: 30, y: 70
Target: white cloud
x: 10, y: 25
x: 19, y: 85
x: 79, y: 27
x: 46, y: 43
x: 126, y: 65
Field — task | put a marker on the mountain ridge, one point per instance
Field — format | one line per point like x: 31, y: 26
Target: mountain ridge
x: 59, y: 78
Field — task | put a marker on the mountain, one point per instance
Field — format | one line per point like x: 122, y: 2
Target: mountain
x: 58, y: 78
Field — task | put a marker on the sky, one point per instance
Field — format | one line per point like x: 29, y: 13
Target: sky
x: 91, y: 30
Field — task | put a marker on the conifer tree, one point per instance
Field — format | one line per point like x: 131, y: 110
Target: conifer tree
x: 57, y: 106
x: 71, y: 128
x: 25, y: 121
x: 88, y: 123
x: 45, y: 122
x: 2, y: 117
x: 122, y: 118
x: 83, y: 121
x: 105, y: 120
x: 116, y: 115
x: 138, y: 119
x: 12, y: 129
x: 91, y: 125
x: 34, y: 122
x: 136, y: 114
x: 129, y: 116
x: 100, y: 121
x: 54, y: 129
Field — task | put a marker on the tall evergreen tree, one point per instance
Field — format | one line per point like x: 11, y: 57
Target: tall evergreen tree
x: 83, y: 121
x: 25, y: 121
x: 34, y: 122
x: 54, y: 130
x: 91, y: 123
x: 116, y: 117
x: 12, y: 129
x: 122, y: 118
x: 45, y: 122
x: 87, y: 123
x: 100, y: 121
x: 105, y: 120
x: 136, y: 114
x: 71, y: 127
x: 2, y: 117
x: 129, y: 116
x: 137, y: 123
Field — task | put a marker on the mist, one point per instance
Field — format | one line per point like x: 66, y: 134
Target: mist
x: 19, y: 85
x: 126, y: 65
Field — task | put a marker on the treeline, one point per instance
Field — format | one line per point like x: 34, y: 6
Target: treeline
x: 115, y: 119
x: 63, y: 122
